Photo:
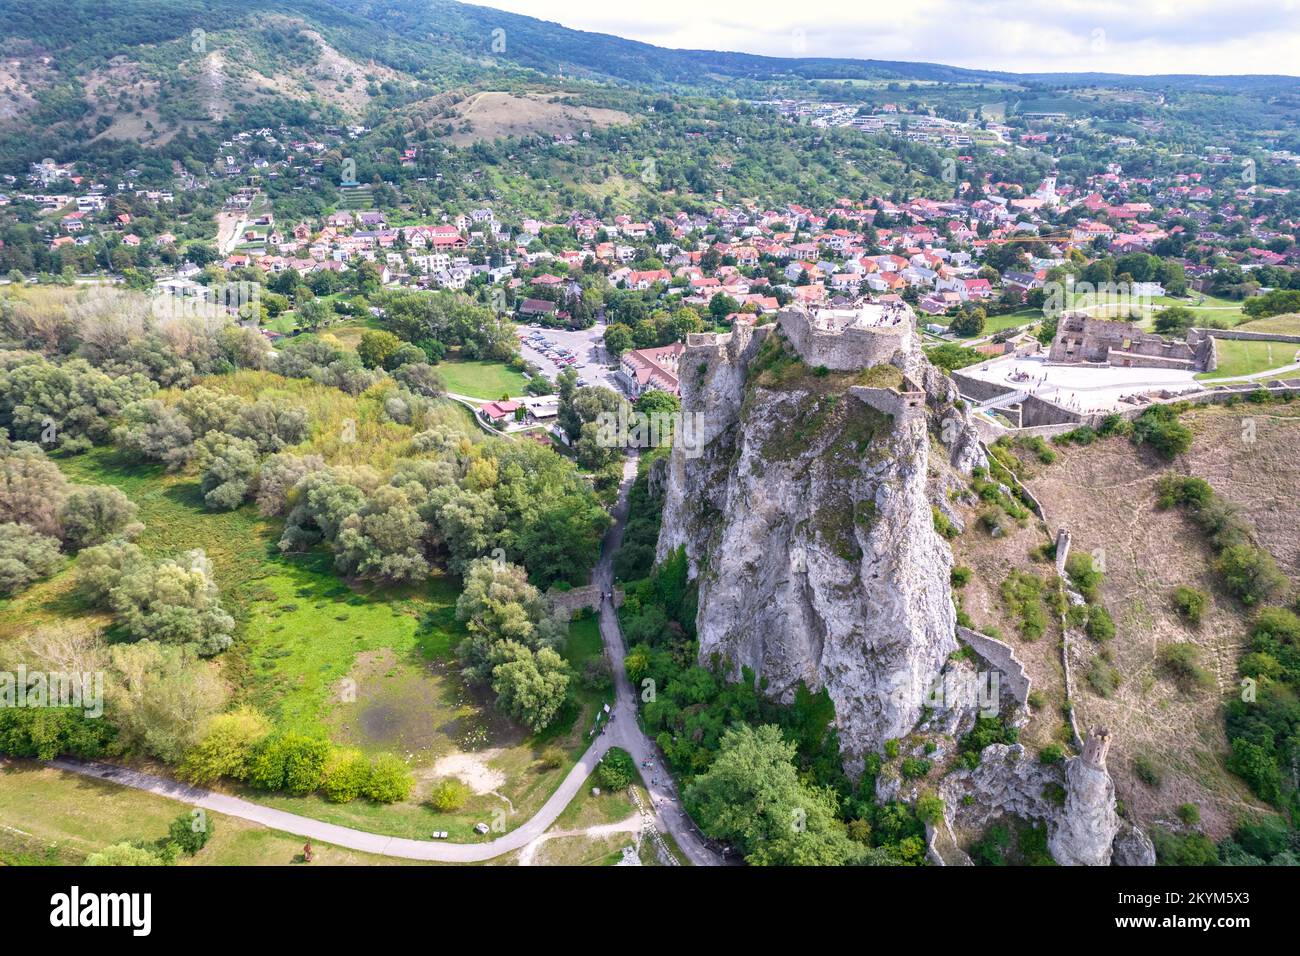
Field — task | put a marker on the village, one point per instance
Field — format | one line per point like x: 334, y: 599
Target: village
x: 988, y: 272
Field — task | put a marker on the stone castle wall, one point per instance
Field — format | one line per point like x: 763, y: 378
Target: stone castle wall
x: 848, y: 349
x: 900, y: 405
x: 1002, y: 658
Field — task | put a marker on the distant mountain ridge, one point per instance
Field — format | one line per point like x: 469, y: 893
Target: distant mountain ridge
x: 412, y: 35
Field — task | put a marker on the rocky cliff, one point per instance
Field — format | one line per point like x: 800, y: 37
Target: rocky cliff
x: 807, y: 522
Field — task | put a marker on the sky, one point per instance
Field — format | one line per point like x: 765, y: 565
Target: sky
x: 1021, y: 36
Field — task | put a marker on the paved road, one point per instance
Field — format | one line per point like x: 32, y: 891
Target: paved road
x: 670, y: 816
x: 623, y: 732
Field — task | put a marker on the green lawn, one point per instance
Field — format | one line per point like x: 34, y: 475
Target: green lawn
x: 1011, y: 320
x: 48, y: 816
x: 1279, y: 324
x: 480, y: 379
x: 1247, y: 358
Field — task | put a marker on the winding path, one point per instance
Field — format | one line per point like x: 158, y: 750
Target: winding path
x: 622, y: 731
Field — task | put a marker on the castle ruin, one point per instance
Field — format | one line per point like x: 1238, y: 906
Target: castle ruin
x: 1082, y: 340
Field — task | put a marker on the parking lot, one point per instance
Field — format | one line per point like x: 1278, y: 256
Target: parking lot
x: 583, y: 350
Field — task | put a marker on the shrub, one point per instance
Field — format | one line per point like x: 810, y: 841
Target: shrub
x: 1182, y: 662
x: 1101, y: 626
x: 929, y: 808
x: 191, y: 831
x: 289, y: 762
x: 914, y: 768
x: 1250, y: 573
x: 346, y: 776
x: 552, y: 758
x: 616, y: 770
x: 960, y: 576
x: 1257, y: 766
x: 1103, y: 678
x: 1192, y: 849
x: 1146, y: 770
x: 1052, y: 753
x: 124, y: 854
x: 227, y: 747
x: 449, y: 795
x: 1023, y: 595
x: 1084, y: 575
x: 943, y: 525
x: 391, y: 780
x: 1159, y: 427
x: 1190, y: 603
x: 1189, y: 813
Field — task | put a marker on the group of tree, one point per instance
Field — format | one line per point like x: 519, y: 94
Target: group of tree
x: 513, y: 643
x: 42, y: 515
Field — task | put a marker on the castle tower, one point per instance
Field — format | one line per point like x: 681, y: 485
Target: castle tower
x: 1096, y: 747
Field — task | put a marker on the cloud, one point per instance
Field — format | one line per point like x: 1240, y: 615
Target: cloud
x: 1022, y: 36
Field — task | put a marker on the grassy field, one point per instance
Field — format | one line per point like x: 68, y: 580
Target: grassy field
x: 479, y: 379
x: 1011, y: 320
x: 1280, y: 324
x: 51, y: 817
x: 1240, y: 357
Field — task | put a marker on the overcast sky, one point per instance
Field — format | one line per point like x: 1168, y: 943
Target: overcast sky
x: 1133, y: 36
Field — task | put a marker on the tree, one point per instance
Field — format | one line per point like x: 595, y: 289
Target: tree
x: 377, y: 346
x: 32, y: 489
x: 160, y: 698
x: 530, y: 686
x: 191, y: 831
x: 1175, y: 320
x: 92, y: 514
x: 384, y: 539
x: 270, y: 425
x: 155, y: 430
x: 497, y: 604
x: 618, y: 338
x: 968, y: 322
x: 101, y: 568
x: 26, y: 556
x: 176, y: 602
x: 228, y: 469
x: 557, y: 544
x: 616, y: 770
x: 752, y: 796
x: 422, y: 379
x: 277, y: 477
x: 314, y: 314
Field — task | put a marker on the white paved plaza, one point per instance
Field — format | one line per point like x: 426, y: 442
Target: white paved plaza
x: 1078, y: 388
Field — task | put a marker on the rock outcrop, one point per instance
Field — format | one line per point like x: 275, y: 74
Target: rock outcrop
x: 807, y: 523
x: 1076, y: 801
